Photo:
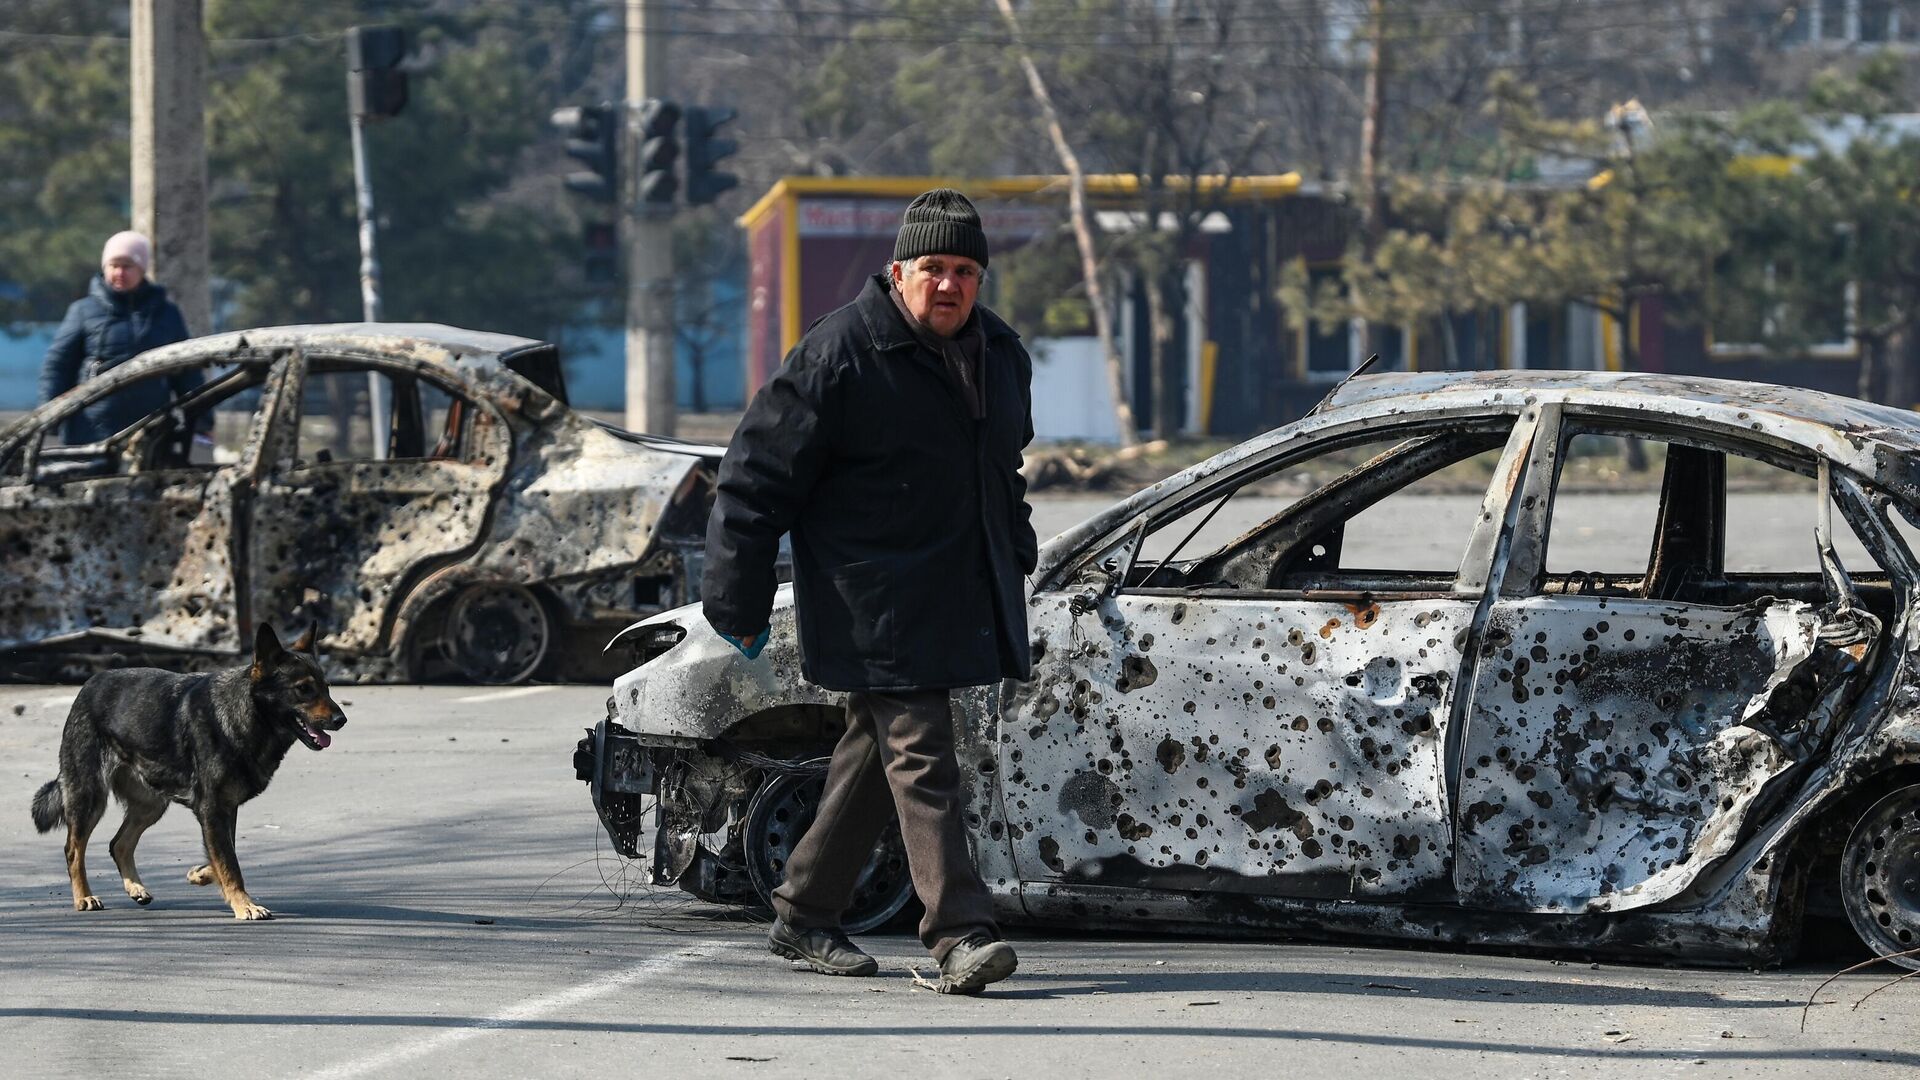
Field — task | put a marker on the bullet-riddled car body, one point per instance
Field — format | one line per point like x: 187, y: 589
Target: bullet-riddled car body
x: 422, y: 494
x: 1671, y: 752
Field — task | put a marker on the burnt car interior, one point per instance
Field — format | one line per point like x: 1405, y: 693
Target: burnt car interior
x: 1317, y: 544
x: 426, y: 420
x: 1309, y: 547
x: 220, y: 411
x: 1694, y: 553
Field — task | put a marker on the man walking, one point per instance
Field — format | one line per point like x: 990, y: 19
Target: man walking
x: 889, y: 446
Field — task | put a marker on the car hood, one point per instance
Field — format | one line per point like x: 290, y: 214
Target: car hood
x: 700, y: 687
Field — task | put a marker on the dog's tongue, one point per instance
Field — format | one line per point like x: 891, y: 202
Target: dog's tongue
x: 321, y: 740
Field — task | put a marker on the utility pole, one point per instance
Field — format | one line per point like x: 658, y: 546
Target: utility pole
x: 169, y: 75
x: 376, y: 89
x: 370, y: 307
x: 649, y: 238
x: 1371, y: 212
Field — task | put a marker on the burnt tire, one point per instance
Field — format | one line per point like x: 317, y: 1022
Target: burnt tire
x: 498, y: 634
x: 781, y: 812
x: 1880, y: 877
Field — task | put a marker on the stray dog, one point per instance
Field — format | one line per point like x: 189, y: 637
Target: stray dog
x: 208, y: 742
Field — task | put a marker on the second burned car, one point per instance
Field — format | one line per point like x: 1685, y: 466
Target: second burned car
x: 1667, y: 750
x: 424, y: 495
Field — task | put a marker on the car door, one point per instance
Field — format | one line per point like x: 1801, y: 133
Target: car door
x: 1633, y: 698
x: 1268, y: 714
x: 355, y: 507
x: 133, y: 538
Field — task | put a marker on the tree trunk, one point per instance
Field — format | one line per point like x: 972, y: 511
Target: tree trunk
x: 1869, y: 365
x: 1898, y: 376
x: 1166, y: 297
x: 1370, y: 208
x: 1450, y: 340
x: 1636, y: 449
x: 1082, y: 231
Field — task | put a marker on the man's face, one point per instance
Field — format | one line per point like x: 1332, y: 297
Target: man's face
x: 939, y: 290
x: 123, y: 274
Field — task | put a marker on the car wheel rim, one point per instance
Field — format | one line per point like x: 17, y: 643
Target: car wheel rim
x: 781, y: 813
x: 1880, y: 876
x: 498, y: 634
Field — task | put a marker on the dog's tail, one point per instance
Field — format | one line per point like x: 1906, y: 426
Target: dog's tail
x: 49, y: 806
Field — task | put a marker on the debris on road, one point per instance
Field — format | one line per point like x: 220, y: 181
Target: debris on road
x: 1083, y: 470
x: 1894, y: 957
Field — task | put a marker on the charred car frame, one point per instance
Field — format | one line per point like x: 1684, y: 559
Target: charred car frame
x: 425, y: 495
x: 1277, y: 734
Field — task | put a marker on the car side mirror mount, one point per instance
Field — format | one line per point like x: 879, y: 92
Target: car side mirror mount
x: 1105, y: 577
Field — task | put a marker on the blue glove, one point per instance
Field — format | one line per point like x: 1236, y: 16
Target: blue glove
x: 749, y: 647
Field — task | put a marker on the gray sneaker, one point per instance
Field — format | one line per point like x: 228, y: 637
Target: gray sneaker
x: 976, y: 961
x: 826, y: 951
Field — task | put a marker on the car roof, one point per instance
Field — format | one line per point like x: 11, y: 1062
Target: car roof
x: 451, y: 338
x: 1725, y: 400
x: 537, y: 362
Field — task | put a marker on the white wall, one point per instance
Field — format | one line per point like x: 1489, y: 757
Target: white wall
x: 1072, y: 398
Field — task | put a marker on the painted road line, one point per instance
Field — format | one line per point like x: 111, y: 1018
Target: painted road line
x: 501, y: 695
x: 524, y: 1013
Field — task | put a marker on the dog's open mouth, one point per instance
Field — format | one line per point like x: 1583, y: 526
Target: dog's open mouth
x: 315, y: 738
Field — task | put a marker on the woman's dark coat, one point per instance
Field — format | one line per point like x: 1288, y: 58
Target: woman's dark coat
x: 911, y: 538
x: 103, y: 330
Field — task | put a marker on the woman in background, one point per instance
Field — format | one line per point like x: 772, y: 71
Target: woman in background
x: 123, y: 315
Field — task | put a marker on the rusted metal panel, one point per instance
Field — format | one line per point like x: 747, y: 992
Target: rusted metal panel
x: 540, y: 497
x: 1275, y: 746
x: 1609, y: 753
x: 1621, y: 773
x: 80, y: 556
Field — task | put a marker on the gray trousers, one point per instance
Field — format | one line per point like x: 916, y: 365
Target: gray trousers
x: 898, y: 749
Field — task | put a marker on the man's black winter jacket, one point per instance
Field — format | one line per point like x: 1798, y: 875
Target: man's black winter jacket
x: 911, y: 538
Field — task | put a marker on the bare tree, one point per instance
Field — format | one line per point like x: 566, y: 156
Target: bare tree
x: 1082, y: 229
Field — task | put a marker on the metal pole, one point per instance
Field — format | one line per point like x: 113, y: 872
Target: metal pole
x: 649, y: 238
x: 169, y: 149
x: 377, y: 404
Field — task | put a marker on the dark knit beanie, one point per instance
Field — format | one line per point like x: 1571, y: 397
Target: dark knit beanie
x: 940, y: 222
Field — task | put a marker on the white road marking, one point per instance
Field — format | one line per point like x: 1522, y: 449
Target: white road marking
x: 523, y: 1013
x: 501, y: 695
x: 62, y: 702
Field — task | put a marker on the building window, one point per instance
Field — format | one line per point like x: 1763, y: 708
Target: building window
x: 1850, y: 22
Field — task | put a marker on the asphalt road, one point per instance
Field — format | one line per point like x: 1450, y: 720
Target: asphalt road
x: 446, y: 906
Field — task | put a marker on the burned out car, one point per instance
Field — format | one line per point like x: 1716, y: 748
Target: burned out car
x: 1463, y: 726
x: 424, y: 494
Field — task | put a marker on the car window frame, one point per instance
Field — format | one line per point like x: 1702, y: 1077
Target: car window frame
x: 1110, y: 559
x: 29, y: 448
x: 285, y: 459
x: 1523, y: 573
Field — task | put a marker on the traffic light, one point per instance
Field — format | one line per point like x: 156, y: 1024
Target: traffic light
x: 376, y: 87
x: 592, y: 134
x: 659, y: 148
x: 704, y: 182
x: 600, y: 242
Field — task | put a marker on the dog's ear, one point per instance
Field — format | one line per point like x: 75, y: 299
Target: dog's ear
x: 305, y: 642
x: 266, y: 649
